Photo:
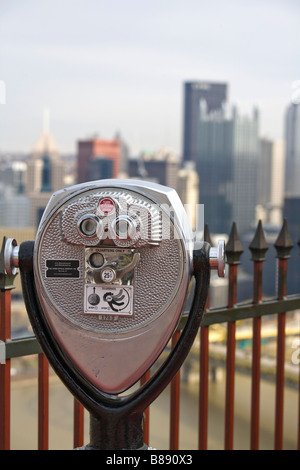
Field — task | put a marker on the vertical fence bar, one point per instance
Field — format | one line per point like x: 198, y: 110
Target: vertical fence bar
x: 298, y: 441
x: 255, y: 384
x: 283, y: 247
x: 203, y: 371
x: 78, y: 413
x: 233, y: 252
x: 203, y: 388
x: 174, y: 403
x: 5, y: 333
x: 279, y: 381
x: 43, y: 402
x: 258, y: 248
x: 146, y: 423
x: 230, y: 371
x: 6, y: 285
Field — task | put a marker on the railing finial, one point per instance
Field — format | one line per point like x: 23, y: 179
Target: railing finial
x: 234, y: 248
x: 259, y: 246
x: 284, y: 243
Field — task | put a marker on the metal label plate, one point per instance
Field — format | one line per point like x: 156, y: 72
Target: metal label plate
x: 108, y: 300
x: 62, y: 268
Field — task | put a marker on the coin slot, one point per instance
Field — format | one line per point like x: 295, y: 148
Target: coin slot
x: 96, y: 260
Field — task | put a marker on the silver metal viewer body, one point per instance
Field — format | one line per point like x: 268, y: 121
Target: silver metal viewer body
x: 112, y: 267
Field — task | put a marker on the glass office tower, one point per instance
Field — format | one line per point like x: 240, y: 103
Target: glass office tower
x: 225, y: 149
x: 215, y: 96
x: 292, y: 162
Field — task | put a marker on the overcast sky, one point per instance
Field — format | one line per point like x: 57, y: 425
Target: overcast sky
x: 113, y: 65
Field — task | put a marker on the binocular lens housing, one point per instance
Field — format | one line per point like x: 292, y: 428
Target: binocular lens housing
x: 88, y: 226
x: 124, y: 227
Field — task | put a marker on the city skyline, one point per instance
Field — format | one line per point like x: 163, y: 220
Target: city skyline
x: 105, y: 68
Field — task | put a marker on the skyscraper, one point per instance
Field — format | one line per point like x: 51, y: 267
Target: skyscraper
x: 99, y: 168
x: 245, y: 157
x: 95, y: 148
x: 270, y: 181
x: 292, y: 137
x: 160, y: 167
x: 215, y: 96
x: 45, y: 175
x: 291, y: 212
x: 292, y: 190
x: 226, y: 162
x: 14, y: 204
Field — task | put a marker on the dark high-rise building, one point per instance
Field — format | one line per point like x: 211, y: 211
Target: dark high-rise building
x: 292, y: 161
x: 224, y: 148
x: 100, y: 169
x: 160, y: 167
x: 215, y: 96
x: 291, y: 212
x: 226, y: 162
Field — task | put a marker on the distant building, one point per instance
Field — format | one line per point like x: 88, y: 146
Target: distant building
x: 270, y: 182
x: 160, y: 167
x: 114, y: 150
x: 14, y: 174
x: 45, y: 175
x: 264, y: 174
x: 292, y: 138
x: 14, y: 207
x: 214, y: 165
x: 226, y: 162
x: 123, y: 173
x: 225, y: 149
x: 215, y: 96
x: 291, y: 213
x: 14, y: 204
x: 291, y: 209
x: 100, y: 168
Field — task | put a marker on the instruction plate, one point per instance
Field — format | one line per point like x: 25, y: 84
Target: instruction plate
x: 108, y: 300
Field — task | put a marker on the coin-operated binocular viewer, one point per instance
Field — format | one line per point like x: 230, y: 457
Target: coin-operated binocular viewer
x: 105, y: 283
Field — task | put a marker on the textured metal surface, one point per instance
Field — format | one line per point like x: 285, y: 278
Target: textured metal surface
x: 128, y: 202
x: 158, y: 276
